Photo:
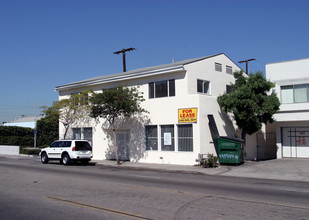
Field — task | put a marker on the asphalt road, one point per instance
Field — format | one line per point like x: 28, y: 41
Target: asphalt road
x: 31, y: 190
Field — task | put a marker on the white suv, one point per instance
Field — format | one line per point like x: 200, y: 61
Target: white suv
x: 67, y: 151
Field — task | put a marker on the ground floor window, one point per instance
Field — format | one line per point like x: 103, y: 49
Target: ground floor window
x: 295, y: 142
x: 151, y: 137
x: 82, y: 134
x: 77, y: 135
x: 185, y: 137
x: 167, y: 138
x: 171, y: 137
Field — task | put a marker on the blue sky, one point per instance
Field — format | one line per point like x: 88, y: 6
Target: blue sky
x: 47, y: 43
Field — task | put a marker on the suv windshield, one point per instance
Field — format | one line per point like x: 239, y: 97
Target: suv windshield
x: 82, y: 145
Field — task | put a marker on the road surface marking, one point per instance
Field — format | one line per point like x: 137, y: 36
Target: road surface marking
x: 164, y: 190
x: 113, y: 211
x: 149, y: 177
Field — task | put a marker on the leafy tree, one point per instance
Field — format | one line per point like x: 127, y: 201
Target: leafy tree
x: 115, y: 103
x: 48, y: 126
x: 72, y: 109
x: 65, y: 111
x: 250, y: 102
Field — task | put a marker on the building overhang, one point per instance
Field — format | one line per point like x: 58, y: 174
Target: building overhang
x: 292, y: 115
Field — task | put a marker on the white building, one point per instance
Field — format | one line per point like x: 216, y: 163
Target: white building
x: 292, y: 121
x: 24, y: 121
x: 190, y: 86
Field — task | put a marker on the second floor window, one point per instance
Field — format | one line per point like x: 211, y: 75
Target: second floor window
x: 218, y: 67
x: 229, y: 70
x: 294, y: 93
x: 203, y: 86
x: 229, y: 89
x: 163, y: 88
x: 80, y: 98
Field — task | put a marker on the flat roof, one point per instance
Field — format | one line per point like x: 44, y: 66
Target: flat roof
x: 26, y: 119
x: 288, y: 61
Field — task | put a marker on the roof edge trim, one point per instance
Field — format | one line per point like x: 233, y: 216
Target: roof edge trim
x: 117, y: 77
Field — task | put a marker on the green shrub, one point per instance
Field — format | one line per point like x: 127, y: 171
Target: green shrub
x: 43, y: 146
x: 48, y: 126
x: 29, y: 150
x: 17, y: 136
x: 209, y: 161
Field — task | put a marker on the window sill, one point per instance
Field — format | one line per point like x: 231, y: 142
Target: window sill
x: 200, y: 93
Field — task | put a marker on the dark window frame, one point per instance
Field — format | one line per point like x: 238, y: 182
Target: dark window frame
x: 86, y: 133
x: 168, y: 129
x: 229, y: 89
x: 229, y: 69
x: 185, y: 137
x: 151, y: 138
x: 293, y: 87
x: 201, y: 85
x: 161, y: 89
x: 218, y: 67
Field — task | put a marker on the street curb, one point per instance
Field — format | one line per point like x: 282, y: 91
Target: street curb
x: 151, y: 169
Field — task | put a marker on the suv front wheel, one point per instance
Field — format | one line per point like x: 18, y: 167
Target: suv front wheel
x: 44, y: 158
x: 66, y: 159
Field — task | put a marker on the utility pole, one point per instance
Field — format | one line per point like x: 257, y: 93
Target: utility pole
x: 246, y: 61
x: 123, y: 51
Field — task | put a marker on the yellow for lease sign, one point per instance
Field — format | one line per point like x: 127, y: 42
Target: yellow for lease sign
x: 187, y: 115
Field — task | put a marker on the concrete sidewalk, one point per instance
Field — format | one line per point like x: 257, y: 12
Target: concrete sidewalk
x: 279, y: 169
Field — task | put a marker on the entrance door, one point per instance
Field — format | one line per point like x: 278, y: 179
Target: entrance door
x: 123, y: 140
x: 266, y: 146
x: 295, y: 142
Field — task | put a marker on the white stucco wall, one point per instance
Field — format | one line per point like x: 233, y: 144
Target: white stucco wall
x: 205, y: 70
x: 9, y: 150
x: 292, y: 72
x: 288, y: 70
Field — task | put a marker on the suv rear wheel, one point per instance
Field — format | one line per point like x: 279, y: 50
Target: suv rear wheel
x: 66, y: 159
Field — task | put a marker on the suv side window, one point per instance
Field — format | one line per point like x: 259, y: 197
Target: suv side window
x: 65, y: 143
x: 55, y: 144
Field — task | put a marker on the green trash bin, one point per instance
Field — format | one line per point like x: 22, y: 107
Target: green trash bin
x: 230, y: 150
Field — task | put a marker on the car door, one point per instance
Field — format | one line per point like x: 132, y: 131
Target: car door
x: 55, y: 149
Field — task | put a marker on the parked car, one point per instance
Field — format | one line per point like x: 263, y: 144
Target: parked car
x: 67, y: 151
